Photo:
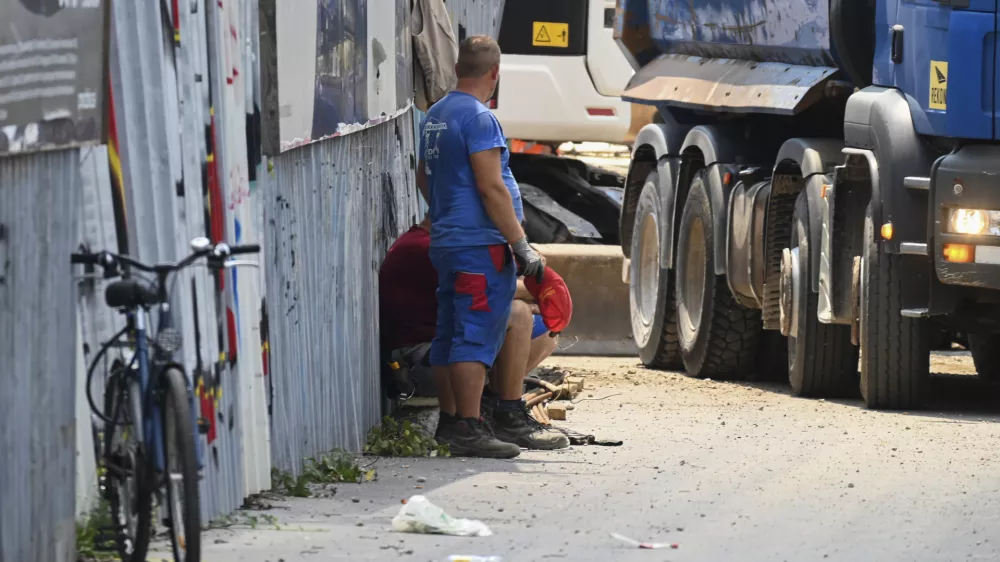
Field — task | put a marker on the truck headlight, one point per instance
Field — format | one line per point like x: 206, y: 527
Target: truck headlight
x: 974, y: 222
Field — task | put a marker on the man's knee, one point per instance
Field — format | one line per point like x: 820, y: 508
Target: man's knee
x: 520, y: 316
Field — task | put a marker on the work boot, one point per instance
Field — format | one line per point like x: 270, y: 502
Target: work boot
x: 487, y: 405
x: 444, y: 420
x: 517, y: 427
x: 473, y: 438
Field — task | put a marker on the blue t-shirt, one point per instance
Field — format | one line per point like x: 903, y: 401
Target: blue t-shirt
x: 456, y: 127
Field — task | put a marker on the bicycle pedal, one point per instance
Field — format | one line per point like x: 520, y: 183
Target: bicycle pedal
x: 203, y: 425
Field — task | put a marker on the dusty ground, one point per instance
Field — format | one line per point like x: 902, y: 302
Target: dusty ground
x: 728, y: 471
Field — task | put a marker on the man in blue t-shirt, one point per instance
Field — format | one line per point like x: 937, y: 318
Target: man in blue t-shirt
x: 476, y: 238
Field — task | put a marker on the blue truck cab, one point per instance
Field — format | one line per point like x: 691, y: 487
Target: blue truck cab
x: 822, y: 183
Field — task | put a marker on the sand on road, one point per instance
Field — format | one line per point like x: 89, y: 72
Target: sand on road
x: 728, y: 471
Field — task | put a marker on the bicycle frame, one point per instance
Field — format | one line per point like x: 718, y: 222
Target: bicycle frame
x: 152, y: 433
x: 152, y: 385
x: 145, y: 411
x: 150, y: 414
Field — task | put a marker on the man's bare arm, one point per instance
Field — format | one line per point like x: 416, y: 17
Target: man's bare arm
x: 496, y: 199
x: 422, y: 181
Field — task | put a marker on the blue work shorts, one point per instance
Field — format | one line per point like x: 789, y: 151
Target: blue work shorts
x: 475, y: 290
x: 538, y: 328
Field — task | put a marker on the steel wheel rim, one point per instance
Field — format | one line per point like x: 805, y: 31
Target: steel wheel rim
x: 792, y: 339
x: 649, y: 269
x: 127, y: 517
x: 124, y: 454
x: 691, y: 288
x: 863, y: 308
x: 175, y: 483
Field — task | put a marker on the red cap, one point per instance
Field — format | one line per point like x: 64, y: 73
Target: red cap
x: 552, y: 298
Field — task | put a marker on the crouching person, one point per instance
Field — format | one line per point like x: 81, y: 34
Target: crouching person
x: 408, y: 310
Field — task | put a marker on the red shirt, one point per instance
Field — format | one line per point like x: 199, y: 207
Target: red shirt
x: 407, y: 292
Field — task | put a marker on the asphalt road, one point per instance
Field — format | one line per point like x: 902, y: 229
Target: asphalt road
x: 727, y: 471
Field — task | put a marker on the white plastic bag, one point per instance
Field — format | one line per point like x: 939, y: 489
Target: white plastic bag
x: 419, y: 515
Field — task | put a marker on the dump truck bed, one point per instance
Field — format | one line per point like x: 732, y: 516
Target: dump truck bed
x: 789, y: 31
x: 743, y: 55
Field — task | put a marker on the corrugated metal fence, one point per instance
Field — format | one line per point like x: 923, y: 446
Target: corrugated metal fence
x: 279, y: 379
x: 38, y: 214
x: 182, y: 105
x: 333, y: 209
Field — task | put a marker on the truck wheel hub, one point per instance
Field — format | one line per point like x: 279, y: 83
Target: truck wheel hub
x: 649, y: 269
x: 856, y: 288
x: 789, y: 285
x: 691, y: 289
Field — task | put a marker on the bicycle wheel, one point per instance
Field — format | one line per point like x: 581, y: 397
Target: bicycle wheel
x: 183, y: 507
x: 126, y: 476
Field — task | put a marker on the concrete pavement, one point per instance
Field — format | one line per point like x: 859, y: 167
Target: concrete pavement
x: 728, y: 471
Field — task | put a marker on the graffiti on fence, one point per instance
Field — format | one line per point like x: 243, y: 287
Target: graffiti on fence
x: 360, y: 74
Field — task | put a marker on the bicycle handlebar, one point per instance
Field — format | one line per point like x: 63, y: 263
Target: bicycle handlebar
x: 83, y: 259
x: 244, y: 249
x: 216, y: 252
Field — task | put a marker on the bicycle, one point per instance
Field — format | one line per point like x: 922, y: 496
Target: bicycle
x: 157, y: 457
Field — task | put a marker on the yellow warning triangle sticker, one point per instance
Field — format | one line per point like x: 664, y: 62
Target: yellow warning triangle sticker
x: 543, y: 36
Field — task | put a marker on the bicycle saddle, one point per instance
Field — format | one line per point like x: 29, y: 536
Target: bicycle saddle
x: 129, y: 293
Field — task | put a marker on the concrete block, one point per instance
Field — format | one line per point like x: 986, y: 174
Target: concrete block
x: 557, y: 411
x: 600, y: 300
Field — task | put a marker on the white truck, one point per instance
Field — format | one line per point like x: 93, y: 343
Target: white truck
x: 561, y: 73
x: 561, y: 79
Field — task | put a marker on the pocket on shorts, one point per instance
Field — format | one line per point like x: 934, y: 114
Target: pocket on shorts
x: 500, y: 255
x: 474, y: 285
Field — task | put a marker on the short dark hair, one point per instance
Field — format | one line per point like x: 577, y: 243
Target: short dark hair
x: 476, y: 56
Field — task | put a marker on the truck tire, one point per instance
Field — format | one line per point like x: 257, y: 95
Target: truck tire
x: 822, y: 362
x: 651, y: 288
x: 718, y: 336
x: 895, y: 350
x: 986, y: 355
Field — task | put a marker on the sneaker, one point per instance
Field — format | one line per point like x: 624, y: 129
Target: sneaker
x: 472, y: 438
x: 519, y: 428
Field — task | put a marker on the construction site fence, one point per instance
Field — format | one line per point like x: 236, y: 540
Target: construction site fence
x: 283, y: 359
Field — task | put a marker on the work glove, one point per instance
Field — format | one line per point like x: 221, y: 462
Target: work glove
x: 529, y: 262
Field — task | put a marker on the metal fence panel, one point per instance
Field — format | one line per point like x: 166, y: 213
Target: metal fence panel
x: 331, y: 209
x: 38, y: 218
x: 96, y: 322
x: 182, y: 137
x: 237, y: 72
